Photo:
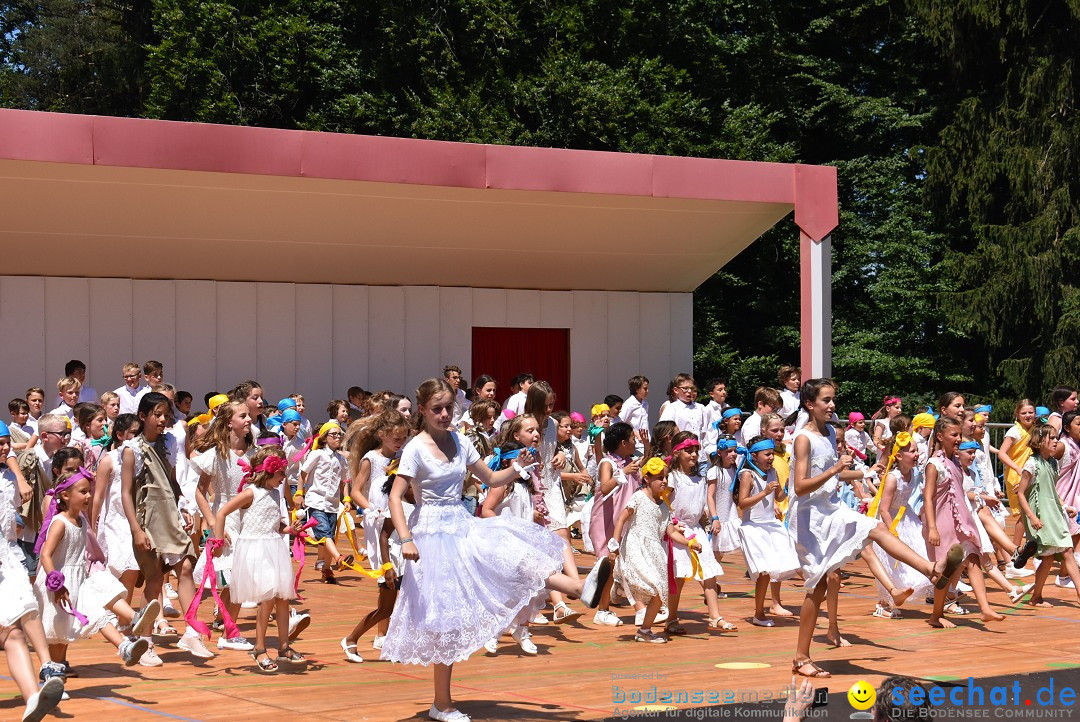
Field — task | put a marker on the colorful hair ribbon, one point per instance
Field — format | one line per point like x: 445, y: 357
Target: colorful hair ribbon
x: 600, y: 410
x: 969, y: 446
x: 763, y: 445
x: 201, y: 419
x: 684, y: 444
x: 923, y: 421
x: 654, y: 466
x: 270, y: 465
x: 728, y: 413
x: 595, y: 431
x: 984, y: 409
x: 902, y: 441
x: 499, y: 456
x: 216, y: 401
x: 82, y: 473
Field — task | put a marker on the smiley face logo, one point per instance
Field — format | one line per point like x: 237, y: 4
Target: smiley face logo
x: 861, y: 695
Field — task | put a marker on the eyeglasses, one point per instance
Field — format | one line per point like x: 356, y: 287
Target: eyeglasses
x: 691, y: 389
x: 335, y: 435
x: 131, y: 376
x: 58, y: 434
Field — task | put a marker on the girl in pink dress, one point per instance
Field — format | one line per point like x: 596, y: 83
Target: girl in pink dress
x: 949, y: 520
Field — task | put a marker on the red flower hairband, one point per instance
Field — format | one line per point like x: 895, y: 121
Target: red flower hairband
x: 270, y: 465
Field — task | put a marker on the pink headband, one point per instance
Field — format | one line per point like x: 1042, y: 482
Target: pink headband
x: 509, y: 414
x: 577, y: 418
x: 270, y: 465
x: 82, y: 473
x: 890, y: 400
x: 687, y: 444
x: 855, y: 416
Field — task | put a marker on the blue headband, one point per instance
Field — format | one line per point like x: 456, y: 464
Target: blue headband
x: 273, y: 423
x: 290, y: 415
x: 499, y: 456
x: 725, y: 444
x: 965, y: 445
x: 728, y: 413
x: 1042, y: 411
x: 4, y: 430
x: 983, y: 409
x: 286, y: 404
x: 763, y: 445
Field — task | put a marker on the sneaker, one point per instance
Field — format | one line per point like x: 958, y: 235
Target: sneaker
x: 297, y: 624
x: 193, y: 643
x: 595, y: 582
x: 1064, y: 582
x: 647, y: 635
x: 606, y: 619
x: 238, y: 644
x: 132, y: 650
x: 69, y: 671
x: 1024, y: 553
x: 450, y: 715
x: 44, y: 700
x: 150, y: 658
x: 1012, y: 572
x: 50, y: 670
x: 962, y: 587
x: 144, y: 619
x: 662, y: 615
x: 169, y: 610
x: 377, y: 642
x: 524, y: 640
x: 170, y: 593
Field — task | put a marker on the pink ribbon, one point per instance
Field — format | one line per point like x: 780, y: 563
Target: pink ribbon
x: 306, y: 448
x: 298, y: 553
x: 191, y: 616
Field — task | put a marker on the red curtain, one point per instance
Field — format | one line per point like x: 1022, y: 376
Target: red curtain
x: 506, y: 352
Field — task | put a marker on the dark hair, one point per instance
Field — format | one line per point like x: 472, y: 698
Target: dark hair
x: 478, y: 411
x: 483, y: 380
x: 152, y: 367
x: 150, y: 401
x: 662, y: 431
x: 812, y: 389
x: 241, y: 391
x: 947, y: 398
x: 121, y: 424
x: 887, y: 710
x: 76, y: 365
x: 209, y: 395
x: 522, y: 378
x: 65, y: 454
x: 616, y: 435
x: 635, y: 383
x: 898, y: 423
x: 333, y: 406
x: 16, y: 405
x: 354, y: 391
x: 86, y: 413
x: 182, y: 396
x: 613, y: 400
x: 1066, y: 421
x: 712, y: 384
x: 1057, y: 397
x: 1038, y: 433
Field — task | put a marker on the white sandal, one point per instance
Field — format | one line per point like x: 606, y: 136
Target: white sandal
x: 722, y: 625
x: 563, y: 613
x: 351, y: 656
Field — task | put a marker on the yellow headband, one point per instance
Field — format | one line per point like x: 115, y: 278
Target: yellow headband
x: 979, y: 418
x: 201, y: 419
x: 328, y: 426
x: 902, y: 441
x: 600, y: 409
x: 216, y: 401
x: 923, y: 421
x: 654, y: 466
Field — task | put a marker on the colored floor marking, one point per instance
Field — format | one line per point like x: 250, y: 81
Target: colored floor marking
x: 139, y: 707
x: 742, y: 665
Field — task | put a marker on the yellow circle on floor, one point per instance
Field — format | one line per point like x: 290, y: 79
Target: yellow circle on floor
x: 743, y: 665
x: 655, y: 708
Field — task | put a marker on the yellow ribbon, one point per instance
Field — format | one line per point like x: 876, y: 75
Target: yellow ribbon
x: 322, y: 430
x: 201, y: 419
x: 695, y: 564
x: 654, y: 467
x: 599, y: 409
x: 902, y: 441
x: 896, y: 520
x: 923, y: 421
x: 216, y: 401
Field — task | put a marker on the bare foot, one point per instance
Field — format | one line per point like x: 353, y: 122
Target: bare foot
x: 899, y: 596
x: 940, y: 623
x: 778, y: 611
x: 992, y: 617
x: 836, y: 640
x: 1040, y: 603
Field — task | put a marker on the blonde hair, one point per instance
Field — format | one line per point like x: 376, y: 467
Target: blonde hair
x: 108, y: 397
x: 68, y: 383
x: 217, y: 435
x: 512, y: 427
x: 132, y: 366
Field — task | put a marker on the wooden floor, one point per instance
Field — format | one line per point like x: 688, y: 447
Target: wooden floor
x: 580, y: 670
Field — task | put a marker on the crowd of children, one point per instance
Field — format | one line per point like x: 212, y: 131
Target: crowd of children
x: 105, y: 493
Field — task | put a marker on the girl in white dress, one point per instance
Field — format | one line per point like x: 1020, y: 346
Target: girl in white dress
x: 113, y: 532
x: 79, y: 598
x: 768, y: 549
x: 262, y: 571
x: 641, y: 563
x: 688, y: 499
x: 898, y: 508
x: 828, y: 535
x: 445, y: 612
x: 228, y: 440
x: 723, y: 513
x: 374, y: 451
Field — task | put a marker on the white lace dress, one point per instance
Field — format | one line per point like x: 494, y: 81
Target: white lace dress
x: 90, y: 593
x: 16, y: 595
x: 474, y: 576
x: 262, y: 563
x: 827, y: 533
x: 642, y: 564
x: 114, y: 532
x: 727, y: 539
x: 688, y: 493
x: 225, y: 477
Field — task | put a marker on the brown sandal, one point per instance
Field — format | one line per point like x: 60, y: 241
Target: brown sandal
x: 796, y: 667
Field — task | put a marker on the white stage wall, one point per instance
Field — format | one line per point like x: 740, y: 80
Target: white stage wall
x: 320, y: 339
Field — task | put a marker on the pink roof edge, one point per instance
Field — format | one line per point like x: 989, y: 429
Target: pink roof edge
x: 170, y: 145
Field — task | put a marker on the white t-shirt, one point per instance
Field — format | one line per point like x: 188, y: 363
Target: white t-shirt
x: 751, y: 427
x: 292, y: 447
x: 1013, y: 433
x: 326, y: 472
x: 65, y: 410
x: 791, y: 403
x: 635, y: 413
x: 130, y: 398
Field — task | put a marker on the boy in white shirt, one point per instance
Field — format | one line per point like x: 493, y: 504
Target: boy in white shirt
x: 790, y: 379
x: 766, y: 401
x: 69, y: 388
x: 714, y: 411
x: 35, y: 399
x: 133, y: 390
x: 516, y: 403
x: 635, y: 411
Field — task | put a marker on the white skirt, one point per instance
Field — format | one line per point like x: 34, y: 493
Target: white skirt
x: 909, y: 531
x: 727, y: 539
x: 17, y: 598
x: 262, y: 570
x: 684, y: 567
x: 474, y: 577
x: 768, y: 550
x: 827, y: 534
x: 114, y: 538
